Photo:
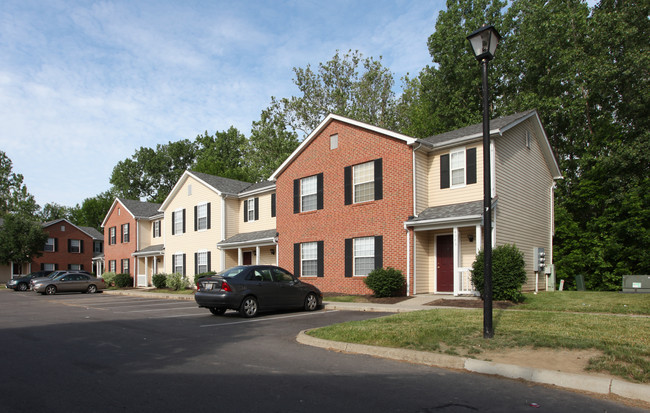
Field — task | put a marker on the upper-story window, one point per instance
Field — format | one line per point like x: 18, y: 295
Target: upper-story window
x: 50, y: 245
x: 156, y: 229
x: 98, y: 246
x: 251, y: 209
x: 112, y: 235
x: 178, y: 221
x: 363, y: 182
x: 125, y: 233
x: 202, y: 217
x: 308, y: 193
x: 75, y: 246
x: 458, y: 168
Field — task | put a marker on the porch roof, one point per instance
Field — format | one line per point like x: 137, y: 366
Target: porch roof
x: 150, y: 251
x: 448, y: 215
x: 265, y: 237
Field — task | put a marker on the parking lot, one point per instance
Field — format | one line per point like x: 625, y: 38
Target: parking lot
x: 108, y: 353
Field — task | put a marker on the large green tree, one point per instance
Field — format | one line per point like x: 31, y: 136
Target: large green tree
x: 270, y: 143
x: 21, y: 239
x: 92, y: 211
x: 14, y: 197
x: 222, y: 154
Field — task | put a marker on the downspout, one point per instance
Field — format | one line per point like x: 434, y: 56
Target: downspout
x: 408, y: 261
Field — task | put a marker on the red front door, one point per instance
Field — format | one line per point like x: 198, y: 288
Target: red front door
x: 445, y: 263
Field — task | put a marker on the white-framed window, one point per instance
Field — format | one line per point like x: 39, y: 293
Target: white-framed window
x: 50, y: 245
x: 250, y: 211
x: 309, y: 259
x: 364, y: 255
x: 457, y: 167
x: 308, y: 193
x: 75, y: 246
x: 112, y: 266
x: 49, y: 267
x: 112, y: 238
x: 363, y: 178
x: 177, y: 263
x: 74, y: 267
x: 178, y: 221
x: 202, y: 217
x: 125, y: 266
x: 202, y: 262
x: 125, y: 233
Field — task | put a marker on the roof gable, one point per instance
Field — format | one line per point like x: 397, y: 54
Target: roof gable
x: 137, y: 209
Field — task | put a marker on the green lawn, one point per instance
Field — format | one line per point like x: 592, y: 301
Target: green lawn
x: 551, y: 322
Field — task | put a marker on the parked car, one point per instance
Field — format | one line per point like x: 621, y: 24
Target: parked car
x: 255, y: 288
x: 55, y: 274
x: 22, y: 283
x: 69, y: 282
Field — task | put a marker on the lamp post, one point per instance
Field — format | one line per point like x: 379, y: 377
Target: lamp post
x: 484, y: 42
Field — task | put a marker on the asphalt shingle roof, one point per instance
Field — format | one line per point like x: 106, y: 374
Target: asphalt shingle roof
x: 450, y: 211
x: 94, y: 234
x: 225, y: 185
x: 250, y: 236
x: 140, y: 209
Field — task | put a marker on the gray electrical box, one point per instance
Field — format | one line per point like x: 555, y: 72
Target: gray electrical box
x: 636, y: 283
x: 539, y: 259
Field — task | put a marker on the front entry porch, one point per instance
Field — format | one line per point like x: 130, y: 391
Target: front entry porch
x: 149, y: 261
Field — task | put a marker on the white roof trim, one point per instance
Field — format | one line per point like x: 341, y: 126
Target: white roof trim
x: 436, y: 223
x: 177, y: 187
x: 331, y: 117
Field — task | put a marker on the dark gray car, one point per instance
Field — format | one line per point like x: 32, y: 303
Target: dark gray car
x: 22, y: 283
x: 254, y: 288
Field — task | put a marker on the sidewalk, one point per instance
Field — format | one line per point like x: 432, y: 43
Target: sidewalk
x: 593, y: 383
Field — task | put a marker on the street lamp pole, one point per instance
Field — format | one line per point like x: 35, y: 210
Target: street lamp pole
x: 484, y: 42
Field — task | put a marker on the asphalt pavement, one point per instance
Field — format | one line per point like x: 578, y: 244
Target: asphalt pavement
x: 581, y: 382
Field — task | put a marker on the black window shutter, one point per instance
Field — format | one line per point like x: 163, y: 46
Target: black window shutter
x: 196, y: 217
x: 296, y: 259
x: 81, y: 266
x: 42, y: 267
x: 296, y: 196
x: 184, y: 263
x: 444, y: 171
x: 196, y: 263
x: 272, y: 205
x: 319, y: 191
x: 56, y: 244
x: 128, y: 232
x: 349, y: 246
x: 470, y: 163
x: 320, y: 263
x: 56, y: 267
x: 81, y: 246
x: 379, y: 181
x: 379, y: 251
x: 173, y: 221
x: 257, y: 209
x: 209, y: 261
x: 69, y: 245
x: 347, y: 177
x: 245, y: 211
x: 183, y: 221
x: 122, y: 233
x: 209, y: 208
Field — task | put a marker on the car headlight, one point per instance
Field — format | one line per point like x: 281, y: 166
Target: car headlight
x: 11, y: 282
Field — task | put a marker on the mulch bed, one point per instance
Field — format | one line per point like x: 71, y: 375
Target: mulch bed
x: 443, y: 302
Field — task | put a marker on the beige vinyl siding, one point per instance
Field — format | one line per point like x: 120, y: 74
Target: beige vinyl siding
x: 192, y: 241
x: 421, y: 181
x: 233, y: 216
x: 423, y: 263
x: 145, y: 234
x: 467, y: 248
x: 523, y: 181
x: 265, y: 220
x: 448, y: 196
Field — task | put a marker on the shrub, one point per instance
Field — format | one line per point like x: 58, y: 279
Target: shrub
x: 385, y: 282
x: 176, y: 282
x: 123, y: 280
x: 159, y: 280
x: 109, y: 278
x: 508, y: 273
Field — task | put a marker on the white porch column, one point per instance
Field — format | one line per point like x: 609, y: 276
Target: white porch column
x: 478, y: 238
x: 146, y: 270
x: 457, y: 281
x: 239, y: 256
x: 257, y: 255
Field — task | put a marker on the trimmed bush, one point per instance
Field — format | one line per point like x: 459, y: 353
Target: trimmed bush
x: 508, y: 273
x: 386, y: 282
x: 109, y: 278
x: 123, y: 281
x: 177, y: 282
x: 159, y: 280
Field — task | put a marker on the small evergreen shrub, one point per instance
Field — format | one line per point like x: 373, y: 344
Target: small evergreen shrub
x: 177, y: 282
x: 159, y: 280
x: 508, y: 273
x: 385, y: 282
x: 123, y: 281
x: 109, y: 278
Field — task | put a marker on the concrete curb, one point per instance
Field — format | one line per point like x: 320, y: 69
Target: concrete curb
x: 138, y: 293
x: 582, y: 382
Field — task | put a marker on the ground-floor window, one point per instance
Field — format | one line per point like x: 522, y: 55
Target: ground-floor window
x: 75, y: 267
x: 178, y: 263
x: 362, y: 255
x: 125, y: 266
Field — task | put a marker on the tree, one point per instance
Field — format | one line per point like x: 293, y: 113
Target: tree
x: 222, y: 154
x: 92, y: 211
x: 269, y: 145
x: 340, y: 87
x: 21, y: 239
x: 152, y: 173
x: 54, y: 211
x: 14, y: 197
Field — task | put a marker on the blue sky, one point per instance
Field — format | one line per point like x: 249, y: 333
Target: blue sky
x: 84, y: 84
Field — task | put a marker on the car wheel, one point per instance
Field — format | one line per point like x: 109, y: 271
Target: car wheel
x: 92, y: 289
x: 22, y: 287
x: 50, y: 290
x: 311, y: 302
x: 248, y: 307
x: 217, y: 311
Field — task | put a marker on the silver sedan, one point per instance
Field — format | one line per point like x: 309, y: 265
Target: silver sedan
x: 70, y: 282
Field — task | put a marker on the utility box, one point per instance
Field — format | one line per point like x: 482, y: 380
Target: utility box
x: 539, y: 259
x: 636, y: 283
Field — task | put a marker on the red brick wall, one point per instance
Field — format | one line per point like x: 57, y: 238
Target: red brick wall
x: 61, y: 257
x: 337, y: 221
x: 120, y: 250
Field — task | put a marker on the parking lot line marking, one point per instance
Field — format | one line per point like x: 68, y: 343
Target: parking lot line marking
x: 203, y: 314
x: 269, y: 318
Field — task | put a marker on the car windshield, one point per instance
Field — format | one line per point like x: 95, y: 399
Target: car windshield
x: 232, y: 272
